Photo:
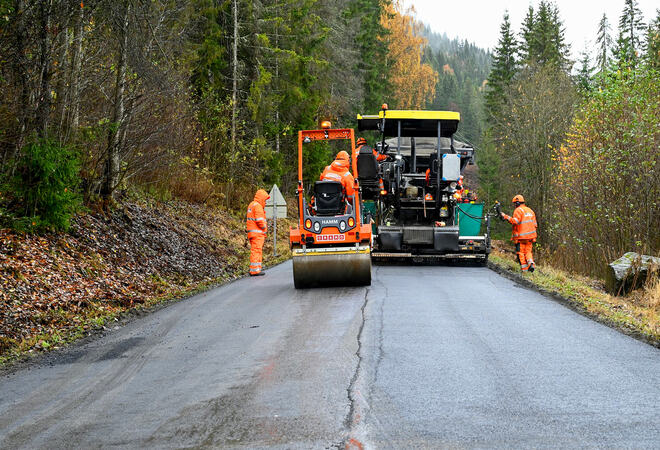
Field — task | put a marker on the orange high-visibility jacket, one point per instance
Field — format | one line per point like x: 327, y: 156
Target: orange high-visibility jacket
x: 379, y: 156
x: 256, y: 217
x: 338, y: 171
x: 524, y: 224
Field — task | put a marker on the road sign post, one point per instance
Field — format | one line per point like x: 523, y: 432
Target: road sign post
x: 275, y: 207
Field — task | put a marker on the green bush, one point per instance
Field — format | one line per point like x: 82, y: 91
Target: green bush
x: 43, y: 191
x: 607, y: 189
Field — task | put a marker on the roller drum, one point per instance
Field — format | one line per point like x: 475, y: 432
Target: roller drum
x: 316, y: 270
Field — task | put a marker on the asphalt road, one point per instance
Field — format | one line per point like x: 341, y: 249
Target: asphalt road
x: 427, y: 357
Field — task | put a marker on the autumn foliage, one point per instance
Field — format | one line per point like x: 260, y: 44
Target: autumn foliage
x: 607, y: 192
x: 413, y: 82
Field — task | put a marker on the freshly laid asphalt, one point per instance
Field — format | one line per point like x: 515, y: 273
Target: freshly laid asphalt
x: 426, y: 357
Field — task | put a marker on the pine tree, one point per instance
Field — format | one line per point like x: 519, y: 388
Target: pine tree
x: 504, y: 67
x: 629, y: 43
x: 604, y: 42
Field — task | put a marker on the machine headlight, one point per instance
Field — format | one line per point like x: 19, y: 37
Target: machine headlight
x: 308, y: 224
x: 452, y: 185
x: 342, y: 226
x: 351, y: 222
x: 317, y: 227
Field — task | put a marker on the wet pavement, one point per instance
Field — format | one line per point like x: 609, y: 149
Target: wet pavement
x: 427, y: 357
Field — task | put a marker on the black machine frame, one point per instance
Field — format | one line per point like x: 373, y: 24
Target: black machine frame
x: 409, y: 225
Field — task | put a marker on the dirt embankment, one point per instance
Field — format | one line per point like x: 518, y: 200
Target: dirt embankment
x: 57, y: 287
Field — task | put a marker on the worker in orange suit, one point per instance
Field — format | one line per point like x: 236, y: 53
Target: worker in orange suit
x: 361, y: 142
x: 524, y: 232
x: 256, y: 230
x: 339, y: 171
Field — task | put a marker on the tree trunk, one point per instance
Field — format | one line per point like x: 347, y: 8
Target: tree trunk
x: 115, y: 136
x: 277, y: 80
x: 20, y: 72
x: 61, y: 89
x: 234, y: 91
x: 44, y: 100
x: 76, y: 64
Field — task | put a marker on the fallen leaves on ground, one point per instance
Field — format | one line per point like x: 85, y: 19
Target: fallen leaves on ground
x: 57, y: 285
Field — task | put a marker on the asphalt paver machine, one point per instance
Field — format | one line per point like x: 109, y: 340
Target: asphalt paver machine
x: 415, y: 209
x: 331, y: 246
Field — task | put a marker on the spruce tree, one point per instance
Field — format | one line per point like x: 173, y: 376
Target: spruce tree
x: 653, y: 43
x: 584, y: 75
x: 542, y: 35
x: 372, y: 44
x: 631, y: 27
x: 504, y: 68
x: 563, y: 50
x: 604, y: 42
x: 526, y: 33
x: 545, y: 41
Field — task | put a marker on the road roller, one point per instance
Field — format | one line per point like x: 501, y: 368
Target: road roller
x: 330, y: 246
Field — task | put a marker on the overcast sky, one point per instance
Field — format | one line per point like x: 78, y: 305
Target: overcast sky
x: 479, y: 21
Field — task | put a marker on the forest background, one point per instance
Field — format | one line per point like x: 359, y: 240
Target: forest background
x: 201, y: 100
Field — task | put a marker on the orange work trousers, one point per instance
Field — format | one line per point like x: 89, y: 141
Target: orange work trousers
x: 256, y: 250
x: 525, y: 257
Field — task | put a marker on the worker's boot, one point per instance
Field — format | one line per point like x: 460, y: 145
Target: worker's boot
x: 531, y: 268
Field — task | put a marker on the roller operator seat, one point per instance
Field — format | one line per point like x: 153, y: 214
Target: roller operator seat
x: 328, y: 198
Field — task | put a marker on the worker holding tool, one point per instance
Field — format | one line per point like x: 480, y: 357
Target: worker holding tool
x: 256, y: 230
x: 524, y: 232
x: 339, y: 171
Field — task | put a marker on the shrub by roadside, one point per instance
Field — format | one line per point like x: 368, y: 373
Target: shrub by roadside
x: 637, y: 314
x: 42, y: 192
x: 57, y: 287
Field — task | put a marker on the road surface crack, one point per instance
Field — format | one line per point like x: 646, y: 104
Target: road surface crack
x: 350, y: 390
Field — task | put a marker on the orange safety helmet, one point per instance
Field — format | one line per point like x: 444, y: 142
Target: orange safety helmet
x: 360, y: 141
x: 518, y: 199
x: 342, y: 156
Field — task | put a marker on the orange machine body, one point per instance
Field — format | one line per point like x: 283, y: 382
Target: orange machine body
x: 329, y: 231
